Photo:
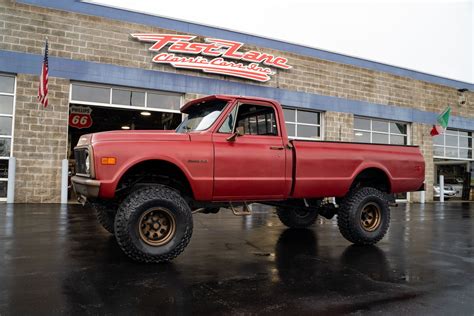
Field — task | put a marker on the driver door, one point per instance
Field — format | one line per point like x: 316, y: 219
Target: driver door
x: 251, y: 166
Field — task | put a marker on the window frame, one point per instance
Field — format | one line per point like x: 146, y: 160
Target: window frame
x: 121, y: 106
x: 458, y: 147
x: 389, y: 133
x: 11, y: 137
x: 237, y: 107
x: 296, y: 123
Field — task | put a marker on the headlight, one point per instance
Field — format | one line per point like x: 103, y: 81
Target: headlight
x: 87, y: 164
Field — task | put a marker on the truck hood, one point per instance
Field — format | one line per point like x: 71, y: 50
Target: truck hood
x: 137, y: 135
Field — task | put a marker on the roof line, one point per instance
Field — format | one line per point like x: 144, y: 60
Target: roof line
x: 94, y: 9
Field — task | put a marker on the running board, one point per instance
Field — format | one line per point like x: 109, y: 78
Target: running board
x: 244, y: 212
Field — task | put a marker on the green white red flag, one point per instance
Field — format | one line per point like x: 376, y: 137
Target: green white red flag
x: 442, y: 121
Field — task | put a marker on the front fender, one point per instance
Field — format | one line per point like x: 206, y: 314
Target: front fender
x: 177, y: 153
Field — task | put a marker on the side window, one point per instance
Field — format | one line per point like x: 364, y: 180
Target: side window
x: 257, y: 120
x: 228, y: 124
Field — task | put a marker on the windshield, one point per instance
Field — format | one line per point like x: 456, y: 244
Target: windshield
x: 201, y: 116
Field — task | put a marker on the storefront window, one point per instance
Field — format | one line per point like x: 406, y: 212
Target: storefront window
x: 376, y: 131
x: 453, y: 144
x: 82, y: 93
x: 7, y: 93
x: 6, y: 104
x: 128, y: 97
x: 164, y: 101
x: 90, y: 94
x: 302, y: 124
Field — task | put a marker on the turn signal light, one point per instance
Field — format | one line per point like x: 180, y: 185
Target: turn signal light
x: 108, y: 160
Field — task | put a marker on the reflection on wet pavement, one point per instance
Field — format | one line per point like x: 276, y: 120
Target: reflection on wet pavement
x: 58, y: 260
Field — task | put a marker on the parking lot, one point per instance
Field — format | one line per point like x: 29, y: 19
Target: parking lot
x: 58, y: 260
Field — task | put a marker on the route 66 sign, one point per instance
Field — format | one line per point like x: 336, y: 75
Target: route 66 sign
x: 80, y: 116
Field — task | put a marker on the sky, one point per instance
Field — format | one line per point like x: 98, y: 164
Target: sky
x: 431, y: 36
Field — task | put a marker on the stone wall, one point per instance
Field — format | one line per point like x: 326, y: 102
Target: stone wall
x: 338, y: 126
x: 40, y: 140
x: 421, y: 137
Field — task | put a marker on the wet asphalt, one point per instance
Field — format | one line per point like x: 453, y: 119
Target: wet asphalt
x: 58, y: 260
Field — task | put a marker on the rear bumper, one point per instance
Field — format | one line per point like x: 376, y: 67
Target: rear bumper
x: 85, y: 186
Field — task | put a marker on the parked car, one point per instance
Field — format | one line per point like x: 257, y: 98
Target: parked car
x: 456, y: 184
x: 449, y: 191
x: 232, y: 151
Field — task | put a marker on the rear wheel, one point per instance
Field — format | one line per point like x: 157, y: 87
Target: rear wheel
x: 153, y: 224
x: 364, y: 216
x: 297, y: 217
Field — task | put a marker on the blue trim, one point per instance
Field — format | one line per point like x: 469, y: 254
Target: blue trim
x: 194, y: 28
x: 15, y: 62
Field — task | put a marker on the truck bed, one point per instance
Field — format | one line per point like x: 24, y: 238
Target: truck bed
x: 324, y: 168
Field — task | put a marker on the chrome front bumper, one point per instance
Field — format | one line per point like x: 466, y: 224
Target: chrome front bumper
x: 85, y: 187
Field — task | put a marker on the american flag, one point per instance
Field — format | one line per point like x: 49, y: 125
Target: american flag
x: 43, y: 84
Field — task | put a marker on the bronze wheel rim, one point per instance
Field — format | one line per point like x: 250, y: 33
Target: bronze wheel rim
x: 370, y: 216
x: 157, y: 226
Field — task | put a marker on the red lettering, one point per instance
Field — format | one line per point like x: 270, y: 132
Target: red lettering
x: 281, y: 62
x: 251, y: 56
x: 161, y: 40
x: 232, y: 49
x: 213, y: 47
x: 212, y: 50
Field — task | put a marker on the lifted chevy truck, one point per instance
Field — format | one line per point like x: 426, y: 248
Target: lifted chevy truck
x: 230, y: 151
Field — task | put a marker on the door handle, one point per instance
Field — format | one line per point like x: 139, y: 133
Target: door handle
x: 277, y: 147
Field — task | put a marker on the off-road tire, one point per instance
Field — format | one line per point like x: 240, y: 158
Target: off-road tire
x: 141, y: 201
x: 349, y: 215
x: 294, y: 218
x: 105, y: 215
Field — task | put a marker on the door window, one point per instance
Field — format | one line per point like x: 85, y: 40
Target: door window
x: 257, y: 120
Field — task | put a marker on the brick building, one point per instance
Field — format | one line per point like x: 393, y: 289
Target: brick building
x: 99, y: 69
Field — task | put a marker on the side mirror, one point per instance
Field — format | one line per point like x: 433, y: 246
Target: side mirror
x: 239, y: 131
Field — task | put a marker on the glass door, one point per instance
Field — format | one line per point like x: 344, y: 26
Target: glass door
x: 7, y: 102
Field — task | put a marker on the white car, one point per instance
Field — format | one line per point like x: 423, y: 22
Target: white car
x: 449, y: 191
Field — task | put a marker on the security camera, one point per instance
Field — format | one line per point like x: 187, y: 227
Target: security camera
x: 462, y: 97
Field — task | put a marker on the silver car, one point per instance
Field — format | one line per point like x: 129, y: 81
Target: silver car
x: 449, y: 191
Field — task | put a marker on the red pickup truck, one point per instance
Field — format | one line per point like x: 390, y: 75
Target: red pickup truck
x: 230, y: 151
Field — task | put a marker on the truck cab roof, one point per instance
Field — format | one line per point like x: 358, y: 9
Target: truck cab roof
x: 226, y: 97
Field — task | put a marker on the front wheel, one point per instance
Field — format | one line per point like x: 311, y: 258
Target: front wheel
x: 105, y: 213
x: 364, y: 216
x: 296, y: 217
x: 153, y: 224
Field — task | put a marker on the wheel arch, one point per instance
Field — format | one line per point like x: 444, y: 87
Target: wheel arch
x: 373, y: 176
x: 160, y: 171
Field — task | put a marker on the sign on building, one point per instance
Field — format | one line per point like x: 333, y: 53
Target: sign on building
x: 216, y: 56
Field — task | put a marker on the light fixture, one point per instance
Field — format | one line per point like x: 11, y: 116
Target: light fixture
x: 359, y: 134
x: 462, y: 100
x: 125, y: 127
x: 145, y: 113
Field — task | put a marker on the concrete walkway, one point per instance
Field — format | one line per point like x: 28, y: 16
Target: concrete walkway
x: 58, y: 260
